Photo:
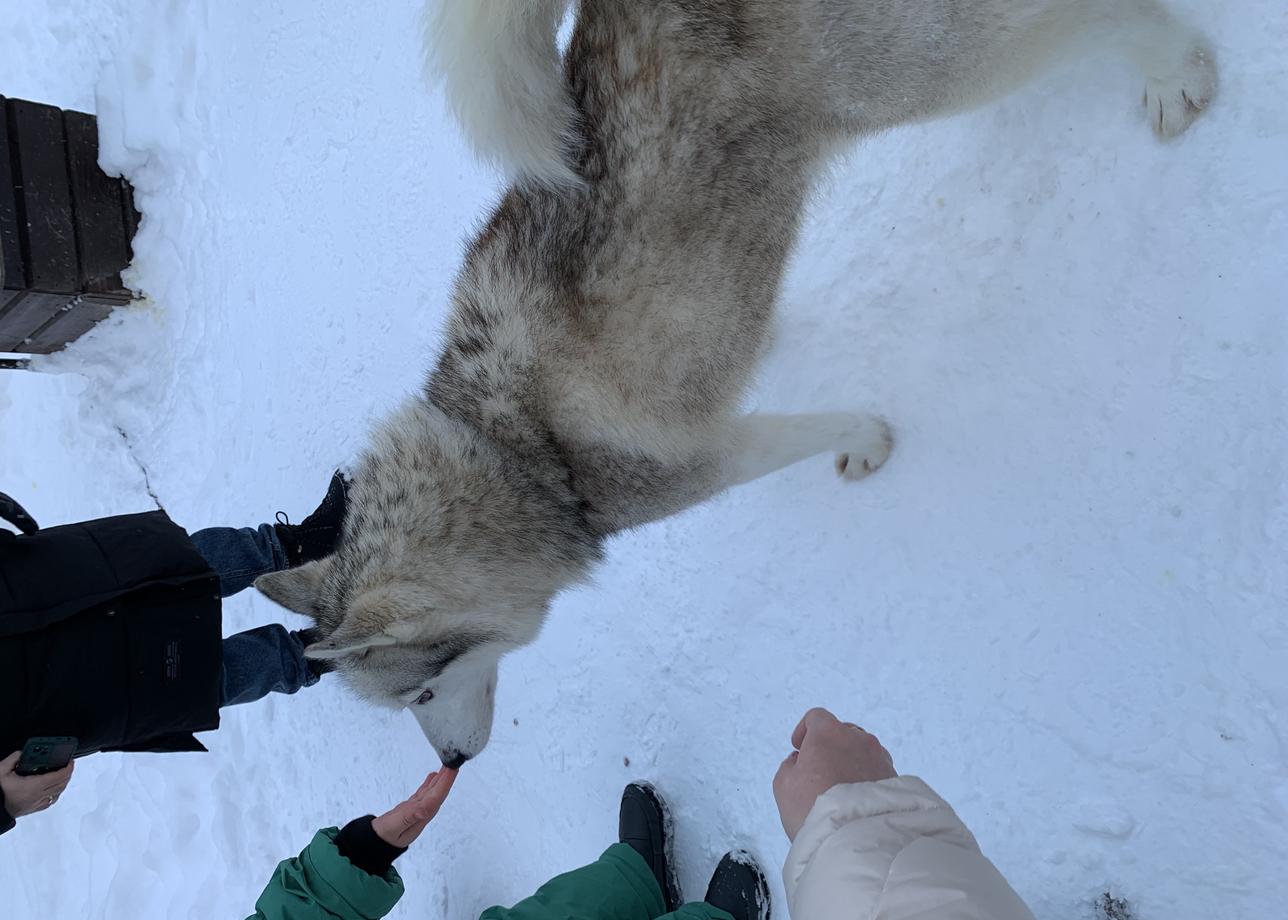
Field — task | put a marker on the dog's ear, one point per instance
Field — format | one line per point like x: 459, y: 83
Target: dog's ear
x: 339, y: 647
x: 375, y: 619
x: 296, y: 589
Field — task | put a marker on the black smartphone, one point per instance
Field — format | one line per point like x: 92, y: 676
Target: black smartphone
x: 45, y: 755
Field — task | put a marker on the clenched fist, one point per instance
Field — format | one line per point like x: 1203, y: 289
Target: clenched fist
x: 828, y: 753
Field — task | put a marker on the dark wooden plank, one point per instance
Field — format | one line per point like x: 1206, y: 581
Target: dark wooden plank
x: 97, y: 206
x: 12, y: 275
x: 22, y: 317
x: 47, y: 228
x: 69, y: 325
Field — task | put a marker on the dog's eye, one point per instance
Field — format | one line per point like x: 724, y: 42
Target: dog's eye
x: 424, y: 697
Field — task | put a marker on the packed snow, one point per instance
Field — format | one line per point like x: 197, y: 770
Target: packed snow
x: 1062, y: 602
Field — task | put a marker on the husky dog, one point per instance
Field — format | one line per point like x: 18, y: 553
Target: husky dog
x: 611, y: 311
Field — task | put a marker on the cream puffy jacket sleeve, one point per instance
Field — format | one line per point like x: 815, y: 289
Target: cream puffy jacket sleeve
x: 892, y: 850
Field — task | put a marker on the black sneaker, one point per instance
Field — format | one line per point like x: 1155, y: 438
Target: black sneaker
x: 315, y: 536
x: 739, y: 888
x: 644, y: 826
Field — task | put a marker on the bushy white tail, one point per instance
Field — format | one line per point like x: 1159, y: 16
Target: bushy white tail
x: 499, y: 63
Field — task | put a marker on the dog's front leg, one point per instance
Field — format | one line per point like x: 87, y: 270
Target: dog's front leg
x: 763, y: 444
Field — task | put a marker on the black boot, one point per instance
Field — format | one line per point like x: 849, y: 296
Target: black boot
x: 642, y: 826
x: 317, y: 666
x: 315, y: 536
x: 739, y: 888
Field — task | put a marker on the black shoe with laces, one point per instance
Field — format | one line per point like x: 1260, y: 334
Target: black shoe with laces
x: 642, y: 825
x: 315, y: 536
x: 739, y: 888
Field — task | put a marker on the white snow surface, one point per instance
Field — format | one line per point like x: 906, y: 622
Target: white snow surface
x: 1062, y: 602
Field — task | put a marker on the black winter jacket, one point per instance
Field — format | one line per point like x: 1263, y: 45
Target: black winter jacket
x: 109, y: 632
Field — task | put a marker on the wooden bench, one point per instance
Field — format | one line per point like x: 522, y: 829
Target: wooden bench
x: 66, y: 229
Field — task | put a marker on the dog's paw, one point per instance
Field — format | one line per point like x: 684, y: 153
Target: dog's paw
x: 1174, y: 100
x: 872, y: 451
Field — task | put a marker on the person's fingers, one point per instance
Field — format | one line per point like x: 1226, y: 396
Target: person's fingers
x: 416, y: 796
x: 402, y: 824
x: 420, y: 790
x: 416, y: 820
x: 414, y: 814
x: 815, y: 718
x: 798, y: 733
x: 438, y: 789
x: 54, y: 789
x: 434, y: 797
x: 58, y: 781
x: 7, y: 765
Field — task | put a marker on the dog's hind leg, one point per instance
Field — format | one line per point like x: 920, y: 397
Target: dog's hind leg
x: 763, y: 444
x: 901, y: 62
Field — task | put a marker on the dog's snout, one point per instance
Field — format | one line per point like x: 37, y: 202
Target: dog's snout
x: 454, y: 760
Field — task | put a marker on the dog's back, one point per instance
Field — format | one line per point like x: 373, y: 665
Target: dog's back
x: 636, y: 271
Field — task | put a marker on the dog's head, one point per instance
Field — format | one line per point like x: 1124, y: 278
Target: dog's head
x: 449, y: 559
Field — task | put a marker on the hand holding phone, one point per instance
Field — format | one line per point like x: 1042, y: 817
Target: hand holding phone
x: 26, y: 795
x: 46, y: 755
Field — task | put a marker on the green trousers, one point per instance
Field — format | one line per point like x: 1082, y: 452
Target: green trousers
x: 617, y: 886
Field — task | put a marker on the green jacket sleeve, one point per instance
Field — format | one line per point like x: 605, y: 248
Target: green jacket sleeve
x: 320, y: 884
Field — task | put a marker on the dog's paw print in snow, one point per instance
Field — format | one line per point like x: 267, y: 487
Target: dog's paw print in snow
x: 1173, y: 101
x: 875, y: 443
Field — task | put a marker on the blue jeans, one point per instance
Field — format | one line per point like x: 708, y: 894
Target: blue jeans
x: 240, y: 555
x: 259, y: 661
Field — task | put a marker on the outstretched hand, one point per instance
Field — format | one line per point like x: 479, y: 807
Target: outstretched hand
x: 402, y: 824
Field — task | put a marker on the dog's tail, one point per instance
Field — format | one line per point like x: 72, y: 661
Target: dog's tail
x: 499, y: 63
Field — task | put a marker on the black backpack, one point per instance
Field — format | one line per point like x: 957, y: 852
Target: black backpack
x: 109, y: 632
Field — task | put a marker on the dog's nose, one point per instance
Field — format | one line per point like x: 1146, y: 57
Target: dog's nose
x: 454, y: 760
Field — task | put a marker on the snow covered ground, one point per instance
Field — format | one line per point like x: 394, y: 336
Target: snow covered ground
x: 1062, y: 603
